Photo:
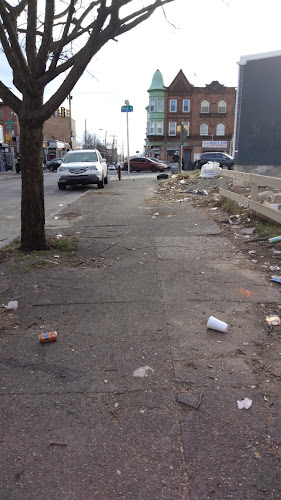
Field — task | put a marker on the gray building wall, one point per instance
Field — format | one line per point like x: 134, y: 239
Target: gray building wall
x: 259, y: 140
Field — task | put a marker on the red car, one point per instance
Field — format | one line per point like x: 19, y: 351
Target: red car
x: 142, y: 163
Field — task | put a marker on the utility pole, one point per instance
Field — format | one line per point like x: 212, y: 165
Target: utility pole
x: 70, y: 124
x: 85, y: 142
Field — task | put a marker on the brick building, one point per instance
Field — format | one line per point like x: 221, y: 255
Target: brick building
x: 207, y: 114
x: 56, y: 132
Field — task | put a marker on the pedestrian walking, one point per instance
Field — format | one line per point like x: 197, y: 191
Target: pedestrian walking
x: 18, y: 165
x: 119, y: 172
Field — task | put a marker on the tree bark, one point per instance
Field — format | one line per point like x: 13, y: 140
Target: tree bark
x: 32, y: 201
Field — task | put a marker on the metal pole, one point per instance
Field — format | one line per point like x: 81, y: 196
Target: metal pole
x: 128, y: 143
x: 70, y: 128
x: 85, y: 135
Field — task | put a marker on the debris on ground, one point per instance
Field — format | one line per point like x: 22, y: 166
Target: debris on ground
x: 12, y: 305
x: 245, y: 403
x: 273, y: 320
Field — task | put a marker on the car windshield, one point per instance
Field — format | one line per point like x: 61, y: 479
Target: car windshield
x: 81, y: 157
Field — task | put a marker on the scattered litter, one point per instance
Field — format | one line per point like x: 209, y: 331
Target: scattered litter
x: 277, y: 279
x: 210, y: 169
x: 59, y: 235
x: 265, y: 196
x: 241, y: 236
x: 214, y: 208
x: 197, y: 191
x: 162, y: 176
x: 61, y: 205
x: 274, y: 268
x: 245, y: 403
x: 182, y: 182
x: 143, y: 371
x: 105, y: 381
x: 12, y: 305
x: 275, y: 239
x: 247, y: 293
x: 47, y: 337
x: 56, y: 256
x: 56, y: 217
x: 252, y: 252
x: 156, y: 214
x: 216, y: 324
x: 273, y: 320
x: 254, y: 261
x: 51, y: 261
x: 273, y: 206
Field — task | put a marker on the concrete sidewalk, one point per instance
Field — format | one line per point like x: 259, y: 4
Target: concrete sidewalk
x: 137, y: 399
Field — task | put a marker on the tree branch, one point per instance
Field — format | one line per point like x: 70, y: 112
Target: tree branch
x: 47, y: 38
x: 31, y: 34
x: 9, y: 98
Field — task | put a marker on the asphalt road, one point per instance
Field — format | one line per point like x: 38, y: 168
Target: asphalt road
x: 55, y: 201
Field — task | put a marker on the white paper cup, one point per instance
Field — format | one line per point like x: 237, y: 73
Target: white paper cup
x: 216, y: 324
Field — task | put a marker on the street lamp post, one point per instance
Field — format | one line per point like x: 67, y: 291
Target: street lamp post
x: 70, y: 124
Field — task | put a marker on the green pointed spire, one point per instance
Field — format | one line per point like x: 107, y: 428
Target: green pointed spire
x: 157, y: 81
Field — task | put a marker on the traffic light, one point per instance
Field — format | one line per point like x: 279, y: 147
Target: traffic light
x: 67, y: 113
x: 62, y: 112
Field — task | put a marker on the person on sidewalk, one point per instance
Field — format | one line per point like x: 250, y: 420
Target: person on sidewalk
x: 176, y: 157
x: 18, y: 166
x: 119, y: 172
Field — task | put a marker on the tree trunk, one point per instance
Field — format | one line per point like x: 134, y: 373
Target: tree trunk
x: 32, y: 199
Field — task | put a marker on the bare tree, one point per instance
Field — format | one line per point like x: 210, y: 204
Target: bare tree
x: 38, y: 39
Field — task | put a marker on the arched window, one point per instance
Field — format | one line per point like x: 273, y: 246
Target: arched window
x: 203, y: 129
x: 220, y: 129
x: 222, y: 106
x: 205, y: 106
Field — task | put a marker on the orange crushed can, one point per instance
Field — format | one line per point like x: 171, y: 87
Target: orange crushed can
x: 47, y: 337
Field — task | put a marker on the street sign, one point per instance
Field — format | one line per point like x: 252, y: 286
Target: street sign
x: 127, y: 109
x: 9, y: 127
x: 9, y: 121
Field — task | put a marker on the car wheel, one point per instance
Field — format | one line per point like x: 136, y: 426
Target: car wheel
x: 106, y: 180
x: 51, y: 168
x: 101, y: 184
x: 61, y: 186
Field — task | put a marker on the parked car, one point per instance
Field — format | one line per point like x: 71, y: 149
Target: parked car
x: 82, y: 167
x: 222, y: 158
x: 111, y: 167
x: 166, y: 163
x: 141, y: 163
x: 54, y: 163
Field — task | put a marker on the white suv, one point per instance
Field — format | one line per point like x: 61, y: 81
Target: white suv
x: 84, y: 166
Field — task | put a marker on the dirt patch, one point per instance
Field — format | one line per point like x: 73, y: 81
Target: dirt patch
x: 238, y: 224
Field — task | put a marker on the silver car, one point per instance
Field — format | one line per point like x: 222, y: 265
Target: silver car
x: 82, y: 167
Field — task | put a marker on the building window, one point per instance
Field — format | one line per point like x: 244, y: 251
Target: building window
x: 160, y: 105
x: 173, y: 105
x: 186, y: 127
x: 159, y: 128
x: 222, y: 106
x: 152, y: 105
x: 203, y: 129
x: 172, y: 128
x: 205, y: 106
x: 220, y: 129
x: 151, y: 128
x: 186, y: 105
